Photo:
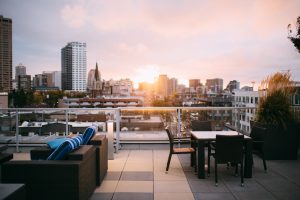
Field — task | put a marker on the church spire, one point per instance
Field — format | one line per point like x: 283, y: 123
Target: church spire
x: 97, y: 77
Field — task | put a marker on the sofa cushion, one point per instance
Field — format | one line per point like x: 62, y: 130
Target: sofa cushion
x: 66, y: 147
x: 88, y: 134
x: 53, y: 144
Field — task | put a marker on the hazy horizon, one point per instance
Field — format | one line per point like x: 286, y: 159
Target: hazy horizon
x: 236, y: 40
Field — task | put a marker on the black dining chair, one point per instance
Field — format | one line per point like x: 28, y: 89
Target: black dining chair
x: 257, y: 135
x: 182, y: 150
x: 197, y: 125
x: 229, y: 148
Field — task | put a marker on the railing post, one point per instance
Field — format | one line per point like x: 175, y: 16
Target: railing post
x: 178, y: 126
x: 17, y: 131
x: 178, y: 121
x: 118, y: 121
x: 67, y: 122
x: 110, y: 138
x: 239, y: 120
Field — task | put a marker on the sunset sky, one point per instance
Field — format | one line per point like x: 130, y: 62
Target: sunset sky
x: 136, y: 39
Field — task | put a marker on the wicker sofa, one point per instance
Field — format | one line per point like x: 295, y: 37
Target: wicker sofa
x: 73, y: 178
x: 98, y: 141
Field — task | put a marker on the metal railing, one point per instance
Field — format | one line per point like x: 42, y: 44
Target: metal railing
x: 135, y: 119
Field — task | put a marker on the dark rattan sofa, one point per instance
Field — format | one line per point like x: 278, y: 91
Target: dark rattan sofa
x: 98, y: 141
x: 73, y: 178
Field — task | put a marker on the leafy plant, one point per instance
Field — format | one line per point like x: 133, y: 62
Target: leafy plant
x: 295, y: 38
x: 275, y: 101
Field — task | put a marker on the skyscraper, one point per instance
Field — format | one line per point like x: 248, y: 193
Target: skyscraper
x: 73, y: 66
x: 215, y: 85
x: 20, y: 70
x: 5, y: 54
x: 162, y: 85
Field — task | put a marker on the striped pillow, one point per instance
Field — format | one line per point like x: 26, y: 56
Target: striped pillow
x: 88, y: 134
x: 69, y: 145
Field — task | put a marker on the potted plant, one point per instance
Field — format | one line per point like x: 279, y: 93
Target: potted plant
x: 275, y: 116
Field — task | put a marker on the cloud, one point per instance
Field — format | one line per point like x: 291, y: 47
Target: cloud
x: 74, y: 15
x: 139, y: 48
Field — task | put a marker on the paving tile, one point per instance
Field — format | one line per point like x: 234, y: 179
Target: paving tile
x: 291, y: 195
x: 107, y: 186
x: 207, y: 185
x: 171, y: 186
x: 261, y: 195
x: 138, y: 166
x: 173, y: 196
x: 102, y: 196
x: 132, y: 196
x: 214, y: 196
x: 137, y: 176
x: 113, y: 175
x: 278, y: 184
x: 250, y: 185
x: 135, y: 186
x: 116, y: 165
x: 172, y: 174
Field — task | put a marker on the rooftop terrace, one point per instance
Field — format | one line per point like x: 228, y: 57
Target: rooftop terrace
x: 138, y: 172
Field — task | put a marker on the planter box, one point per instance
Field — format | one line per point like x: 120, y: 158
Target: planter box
x: 279, y: 144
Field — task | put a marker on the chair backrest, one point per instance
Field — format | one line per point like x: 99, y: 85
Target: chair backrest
x: 257, y: 133
x: 201, y: 125
x: 229, y: 148
x: 171, y: 138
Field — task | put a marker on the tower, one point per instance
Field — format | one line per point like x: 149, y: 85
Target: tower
x: 73, y: 66
x: 5, y: 54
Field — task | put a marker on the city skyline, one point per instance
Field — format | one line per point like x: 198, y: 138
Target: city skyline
x: 244, y: 41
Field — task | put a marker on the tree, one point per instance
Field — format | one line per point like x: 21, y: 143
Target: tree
x: 295, y: 38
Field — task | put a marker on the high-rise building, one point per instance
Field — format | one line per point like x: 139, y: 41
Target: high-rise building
x: 5, y: 54
x: 24, y: 82
x: 172, y: 86
x: 73, y: 66
x: 56, y: 75
x: 20, y: 70
x: 162, y: 85
x: 194, y: 83
x: 39, y: 80
x: 214, y: 85
x: 49, y: 78
x: 233, y: 85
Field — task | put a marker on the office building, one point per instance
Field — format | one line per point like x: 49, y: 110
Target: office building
x: 172, y: 86
x: 162, y: 85
x: 73, y: 66
x: 5, y: 54
x: 233, y: 85
x: 20, y: 70
x: 194, y: 83
x: 24, y: 82
x: 56, y: 75
x: 214, y: 85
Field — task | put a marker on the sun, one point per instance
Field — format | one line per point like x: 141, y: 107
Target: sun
x: 145, y: 74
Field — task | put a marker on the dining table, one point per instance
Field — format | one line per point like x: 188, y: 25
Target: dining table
x: 202, y: 138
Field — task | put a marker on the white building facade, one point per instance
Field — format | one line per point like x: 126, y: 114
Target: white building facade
x: 73, y: 66
x: 242, y: 118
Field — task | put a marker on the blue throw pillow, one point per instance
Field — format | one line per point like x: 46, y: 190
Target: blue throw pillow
x: 53, y: 144
x: 88, y: 134
x: 66, y: 147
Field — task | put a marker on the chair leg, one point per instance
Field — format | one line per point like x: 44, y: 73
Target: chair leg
x: 208, y: 160
x: 264, y: 161
x: 216, y: 173
x: 193, y: 157
x: 169, y: 160
x: 242, y: 174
